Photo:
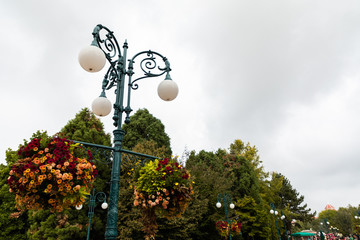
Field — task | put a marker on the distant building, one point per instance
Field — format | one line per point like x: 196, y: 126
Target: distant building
x: 329, y: 207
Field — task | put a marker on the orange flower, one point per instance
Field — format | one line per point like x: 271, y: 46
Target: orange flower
x: 59, y: 181
x: 46, y: 149
x: 36, y: 161
x: 41, y: 152
x: 35, y: 149
x: 49, y: 186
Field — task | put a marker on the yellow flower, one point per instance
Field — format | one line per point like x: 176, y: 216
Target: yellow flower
x: 176, y: 184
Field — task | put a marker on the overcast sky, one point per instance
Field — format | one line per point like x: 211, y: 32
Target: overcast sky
x: 282, y: 75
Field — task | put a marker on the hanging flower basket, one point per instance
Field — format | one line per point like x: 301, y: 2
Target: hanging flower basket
x: 162, y: 187
x: 223, y: 228
x: 52, y: 173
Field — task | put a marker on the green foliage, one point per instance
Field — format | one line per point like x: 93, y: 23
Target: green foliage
x: 343, y: 220
x: 11, y: 228
x: 327, y: 214
x: 254, y: 217
x: 150, y: 180
x: 86, y: 127
x: 144, y: 127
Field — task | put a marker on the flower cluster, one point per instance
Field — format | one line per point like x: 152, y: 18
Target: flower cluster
x: 223, y: 228
x: 52, y: 173
x: 164, y: 185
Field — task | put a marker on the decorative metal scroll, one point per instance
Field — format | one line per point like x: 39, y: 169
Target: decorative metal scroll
x: 148, y: 65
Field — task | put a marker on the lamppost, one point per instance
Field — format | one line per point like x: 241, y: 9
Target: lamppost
x: 105, y: 47
x: 283, y: 218
x: 93, y: 198
x: 293, y: 223
x: 274, y: 212
x: 227, y: 201
x: 325, y: 224
x: 357, y: 217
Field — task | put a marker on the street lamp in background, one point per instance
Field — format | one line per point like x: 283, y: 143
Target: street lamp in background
x: 283, y: 218
x: 105, y: 47
x: 93, y: 198
x: 227, y: 201
x: 357, y: 226
x: 325, y: 223
x: 275, y: 213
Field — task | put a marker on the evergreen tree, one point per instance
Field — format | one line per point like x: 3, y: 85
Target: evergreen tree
x: 11, y: 228
x: 144, y: 127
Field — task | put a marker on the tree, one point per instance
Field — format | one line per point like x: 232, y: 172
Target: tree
x: 143, y: 127
x: 287, y: 199
x: 254, y: 217
x: 236, y: 172
x: 343, y: 220
x: 11, y: 228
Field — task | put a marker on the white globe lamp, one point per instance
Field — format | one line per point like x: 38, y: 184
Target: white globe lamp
x: 104, y: 205
x: 101, y: 106
x: 168, y: 89
x: 92, y: 58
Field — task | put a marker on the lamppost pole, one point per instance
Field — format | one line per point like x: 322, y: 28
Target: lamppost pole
x: 104, y: 48
x: 227, y: 201
x: 92, y: 198
x: 357, y: 216
x: 283, y: 218
x: 326, y: 224
x: 273, y: 211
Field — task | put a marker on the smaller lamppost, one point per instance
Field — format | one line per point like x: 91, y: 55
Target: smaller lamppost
x: 93, y: 198
x: 275, y: 213
x: 227, y: 201
x: 325, y: 224
x: 283, y: 218
x: 357, y: 227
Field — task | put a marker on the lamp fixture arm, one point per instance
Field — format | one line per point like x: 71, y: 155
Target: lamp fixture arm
x: 107, y: 42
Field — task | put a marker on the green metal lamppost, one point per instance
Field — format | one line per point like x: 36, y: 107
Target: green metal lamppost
x: 275, y: 213
x: 105, y: 48
x: 93, y: 198
x: 357, y: 217
x: 283, y: 218
x: 227, y: 201
x: 325, y: 223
